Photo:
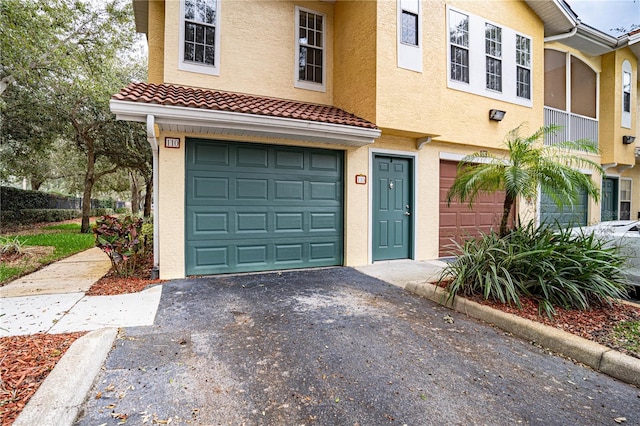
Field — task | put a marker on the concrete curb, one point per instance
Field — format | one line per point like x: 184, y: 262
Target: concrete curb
x: 599, y: 357
x: 58, y: 400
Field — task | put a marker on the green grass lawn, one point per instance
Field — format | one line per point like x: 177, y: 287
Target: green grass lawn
x: 66, y: 240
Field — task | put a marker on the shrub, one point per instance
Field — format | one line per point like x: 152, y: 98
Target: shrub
x: 47, y: 215
x: 101, y: 211
x: 147, y: 235
x: 11, y: 246
x: 120, y: 239
x: 554, y: 267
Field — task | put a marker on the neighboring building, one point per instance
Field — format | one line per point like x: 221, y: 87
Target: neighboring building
x: 312, y: 133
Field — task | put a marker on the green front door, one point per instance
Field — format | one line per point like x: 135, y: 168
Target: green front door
x: 392, y: 207
x: 609, y: 196
x: 252, y: 207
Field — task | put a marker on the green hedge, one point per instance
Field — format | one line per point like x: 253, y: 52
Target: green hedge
x: 47, y: 215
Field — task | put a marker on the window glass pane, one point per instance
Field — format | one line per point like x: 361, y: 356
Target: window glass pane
x: 583, y: 89
x: 523, y: 88
x: 208, y: 55
x: 210, y: 17
x: 555, y: 79
x: 626, y: 91
x: 199, y: 53
x: 199, y: 34
x: 459, y: 28
x: 189, y: 31
x: 189, y: 52
x: 199, y: 31
x: 409, y: 28
x: 459, y: 64
x: 310, y: 54
x: 189, y: 9
x: 494, y: 74
x: 493, y: 40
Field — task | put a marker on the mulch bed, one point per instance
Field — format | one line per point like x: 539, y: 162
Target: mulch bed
x: 25, y: 361
x: 595, y: 324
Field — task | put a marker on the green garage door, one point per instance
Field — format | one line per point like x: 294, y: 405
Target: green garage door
x: 253, y: 207
x: 566, y: 216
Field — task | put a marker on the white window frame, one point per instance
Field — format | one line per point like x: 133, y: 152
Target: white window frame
x: 525, y: 66
x: 451, y: 45
x: 626, y: 115
x: 409, y: 54
x: 477, y: 61
x: 626, y: 200
x: 194, y: 66
x: 493, y: 54
x: 303, y: 84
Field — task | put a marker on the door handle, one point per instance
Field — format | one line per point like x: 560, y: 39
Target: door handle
x: 407, y: 214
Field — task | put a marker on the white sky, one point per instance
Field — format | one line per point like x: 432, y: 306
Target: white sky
x: 605, y: 15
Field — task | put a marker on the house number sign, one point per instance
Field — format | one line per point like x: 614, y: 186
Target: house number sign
x: 361, y: 179
x: 171, y: 142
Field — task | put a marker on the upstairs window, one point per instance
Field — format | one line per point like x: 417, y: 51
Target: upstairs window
x: 523, y: 67
x: 626, y: 94
x: 409, y: 44
x: 200, y: 40
x: 626, y: 91
x: 493, y: 51
x: 409, y: 28
x: 310, y: 34
x: 488, y: 59
x: 459, y: 39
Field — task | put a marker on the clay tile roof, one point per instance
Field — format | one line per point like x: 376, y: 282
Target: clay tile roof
x: 166, y: 94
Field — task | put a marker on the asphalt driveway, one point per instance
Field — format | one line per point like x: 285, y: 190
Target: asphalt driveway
x: 336, y: 347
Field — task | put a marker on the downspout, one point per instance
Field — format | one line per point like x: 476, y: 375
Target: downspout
x: 151, y: 138
x: 561, y: 36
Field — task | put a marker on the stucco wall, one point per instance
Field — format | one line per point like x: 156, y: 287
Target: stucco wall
x: 355, y: 55
x: 423, y: 104
x: 257, y: 52
x: 155, y: 41
x: 611, y: 130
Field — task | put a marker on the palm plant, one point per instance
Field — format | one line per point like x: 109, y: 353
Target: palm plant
x: 527, y: 165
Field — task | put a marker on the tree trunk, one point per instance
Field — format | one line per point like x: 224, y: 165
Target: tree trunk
x: 148, y: 198
x: 36, y: 183
x: 89, y: 180
x: 506, y: 211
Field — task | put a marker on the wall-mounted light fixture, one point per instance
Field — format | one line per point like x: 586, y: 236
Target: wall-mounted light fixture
x: 628, y: 139
x: 496, y: 114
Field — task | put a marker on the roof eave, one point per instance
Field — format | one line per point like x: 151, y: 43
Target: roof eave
x: 141, y: 15
x: 197, y: 120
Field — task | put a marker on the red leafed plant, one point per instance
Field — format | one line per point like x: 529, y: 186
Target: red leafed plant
x: 120, y: 240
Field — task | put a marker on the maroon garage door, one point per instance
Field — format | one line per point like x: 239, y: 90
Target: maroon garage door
x: 459, y: 222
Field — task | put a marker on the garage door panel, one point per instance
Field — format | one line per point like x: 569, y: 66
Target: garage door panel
x: 568, y: 215
x: 251, y: 156
x: 251, y: 189
x: 326, y: 161
x: 210, y: 223
x: 268, y: 208
x: 289, y: 190
x: 205, y: 155
x: 458, y: 221
x: 293, y: 160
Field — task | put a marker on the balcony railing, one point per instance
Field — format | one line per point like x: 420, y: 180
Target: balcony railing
x: 573, y: 127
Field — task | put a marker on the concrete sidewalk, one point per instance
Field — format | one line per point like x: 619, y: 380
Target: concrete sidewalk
x: 52, y: 300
